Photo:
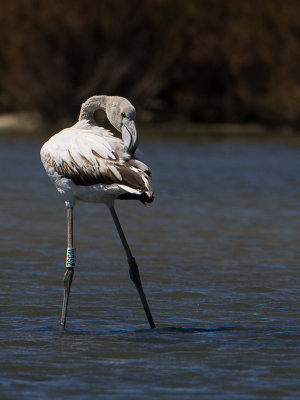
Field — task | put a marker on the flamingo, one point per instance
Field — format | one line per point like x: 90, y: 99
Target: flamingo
x: 87, y: 162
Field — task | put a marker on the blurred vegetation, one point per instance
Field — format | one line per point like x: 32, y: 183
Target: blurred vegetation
x: 191, y: 60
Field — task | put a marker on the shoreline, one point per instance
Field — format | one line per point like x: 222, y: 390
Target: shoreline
x: 30, y: 125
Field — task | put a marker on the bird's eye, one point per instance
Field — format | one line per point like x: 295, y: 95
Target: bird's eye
x: 122, y: 114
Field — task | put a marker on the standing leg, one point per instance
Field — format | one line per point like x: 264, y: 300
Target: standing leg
x: 70, y: 264
x: 133, y: 268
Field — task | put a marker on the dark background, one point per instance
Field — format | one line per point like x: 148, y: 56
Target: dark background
x: 180, y: 61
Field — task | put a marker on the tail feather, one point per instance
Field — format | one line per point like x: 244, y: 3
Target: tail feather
x: 143, y: 197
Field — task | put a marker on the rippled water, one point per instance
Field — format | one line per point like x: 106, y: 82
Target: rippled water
x: 219, y: 255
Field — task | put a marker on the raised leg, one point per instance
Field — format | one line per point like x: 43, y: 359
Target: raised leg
x: 70, y: 264
x: 133, y: 268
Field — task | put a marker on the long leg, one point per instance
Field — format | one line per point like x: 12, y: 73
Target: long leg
x: 70, y: 264
x: 133, y: 268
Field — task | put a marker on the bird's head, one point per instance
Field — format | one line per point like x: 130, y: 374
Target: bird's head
x: 121, y: 114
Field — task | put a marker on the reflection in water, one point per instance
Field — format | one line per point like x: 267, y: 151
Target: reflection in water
x: 218, y: 252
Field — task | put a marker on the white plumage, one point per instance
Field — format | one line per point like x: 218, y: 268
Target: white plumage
x: 87, y: 162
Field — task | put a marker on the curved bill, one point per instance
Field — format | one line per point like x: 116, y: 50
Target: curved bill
x: 129, y: 135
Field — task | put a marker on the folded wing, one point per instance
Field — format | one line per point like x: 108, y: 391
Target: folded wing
x: 94, y: 157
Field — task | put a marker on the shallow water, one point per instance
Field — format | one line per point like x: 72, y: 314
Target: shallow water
x: 219, y: 257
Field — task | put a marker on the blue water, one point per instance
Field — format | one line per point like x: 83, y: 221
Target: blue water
x: 219, y: 255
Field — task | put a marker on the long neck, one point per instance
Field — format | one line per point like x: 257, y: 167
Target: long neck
x: 90, y: 106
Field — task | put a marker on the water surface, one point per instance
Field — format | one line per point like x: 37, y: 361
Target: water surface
x: 219, y: 257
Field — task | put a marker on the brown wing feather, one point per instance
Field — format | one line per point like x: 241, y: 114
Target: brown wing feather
x: 140, y: 165
x: 85, y: 177
x: 88, y: 175
x: 131, y: 177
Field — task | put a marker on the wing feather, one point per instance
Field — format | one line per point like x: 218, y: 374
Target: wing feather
x: 90, y: 157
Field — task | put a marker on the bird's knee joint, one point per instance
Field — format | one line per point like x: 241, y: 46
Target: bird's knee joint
x: 133, y: 271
